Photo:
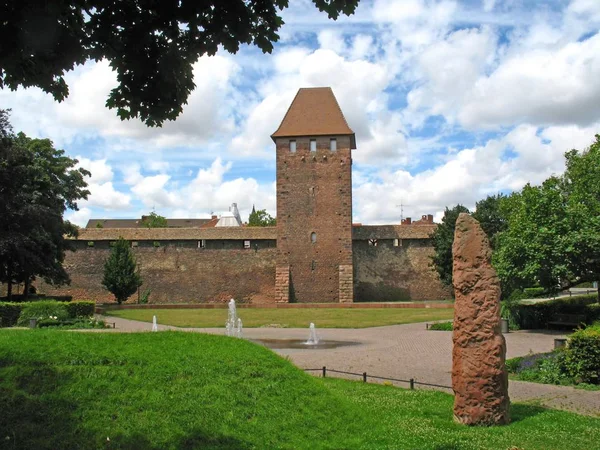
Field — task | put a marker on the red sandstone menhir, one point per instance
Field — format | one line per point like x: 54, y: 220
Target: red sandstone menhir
x: 479, y: 376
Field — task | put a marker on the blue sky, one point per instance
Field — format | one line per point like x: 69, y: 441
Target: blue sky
x: 450, y: 101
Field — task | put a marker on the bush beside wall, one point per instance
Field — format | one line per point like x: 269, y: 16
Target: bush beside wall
x: 538, y: 315
x: 80, y: 309
x: 9, y: 313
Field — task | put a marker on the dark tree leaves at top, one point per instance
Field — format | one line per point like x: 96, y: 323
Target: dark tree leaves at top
x: 151, y: 44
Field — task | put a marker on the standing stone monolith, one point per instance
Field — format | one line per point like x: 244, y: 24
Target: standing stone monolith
x: 479, y: 376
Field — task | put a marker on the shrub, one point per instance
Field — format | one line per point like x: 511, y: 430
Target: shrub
x: 145, y: 296
x: 81, y: 309
x: 534, y: 292
x: 582, y: 356
x: 539, y: 314
x: 441, y: 326
x: 42, y: 310
x: 9, y: 313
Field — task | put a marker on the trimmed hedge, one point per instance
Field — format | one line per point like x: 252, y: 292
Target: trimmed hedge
x: 582, y: 356
x: 538, y: 315
x: 9, y: 313
x: 441, y: 326
x: 80, y: 309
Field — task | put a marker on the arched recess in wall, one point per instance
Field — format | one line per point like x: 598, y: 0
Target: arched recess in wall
x: 313, y: 237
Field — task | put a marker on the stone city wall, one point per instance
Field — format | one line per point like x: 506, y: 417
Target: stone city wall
x: 178, y: 275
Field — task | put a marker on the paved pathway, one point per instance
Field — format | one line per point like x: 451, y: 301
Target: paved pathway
x: 404, y: 352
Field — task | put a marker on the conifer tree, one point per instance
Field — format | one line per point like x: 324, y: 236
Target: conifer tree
x: 120, y: 275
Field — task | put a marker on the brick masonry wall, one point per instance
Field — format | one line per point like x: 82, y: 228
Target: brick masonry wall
x: 314, y: 195
x: 388, y: 273
x: 178, y: 275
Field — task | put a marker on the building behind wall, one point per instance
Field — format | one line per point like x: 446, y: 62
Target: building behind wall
x: 314, y: 254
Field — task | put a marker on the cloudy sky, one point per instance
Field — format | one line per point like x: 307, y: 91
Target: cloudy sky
x: 450, y: 101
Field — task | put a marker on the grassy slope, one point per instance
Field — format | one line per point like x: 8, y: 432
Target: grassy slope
x: 183, y: 390
x: 291, y: 318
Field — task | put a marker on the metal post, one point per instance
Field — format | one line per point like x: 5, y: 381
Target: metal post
x: 324, y: 371
x: 412, y: 383
x: 365, y: 377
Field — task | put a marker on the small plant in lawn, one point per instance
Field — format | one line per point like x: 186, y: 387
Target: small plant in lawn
x: 121, y: 277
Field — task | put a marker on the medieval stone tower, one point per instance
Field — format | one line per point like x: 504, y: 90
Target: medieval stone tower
x: 314, y: 200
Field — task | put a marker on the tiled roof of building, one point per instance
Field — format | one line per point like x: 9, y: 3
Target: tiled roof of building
x: 314, y: 112
x: 175, y: 234
x: 137, y: 223
x: 365, y: 232
x: 362, y: 232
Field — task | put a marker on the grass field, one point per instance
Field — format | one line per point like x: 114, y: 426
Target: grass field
x: 288, y: 318
x: 170, y: 390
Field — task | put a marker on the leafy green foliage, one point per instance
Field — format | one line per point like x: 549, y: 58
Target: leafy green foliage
x: 145, y: 296
x: 441, y: 326
x: 491, y: 216
x: 261, y: 218
x: 121, y: 277
x: 73, y: 390
x: 72, y: 324
x: 80, y: 309
x: 37, y: 184
x: 582, y: 356
x: 151, y: 45
x: 153, y: 220
x: 537, y: 315
x: 9, y: 313
x: 45, y: 309
x: 552, y: 239
x: 442, y: 238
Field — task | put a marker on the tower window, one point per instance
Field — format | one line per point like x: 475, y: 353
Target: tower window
x: 313, y: 237
x: 313, y: 145
x: 292, y: 146
x: 202, y: 244
x: 333, y: 145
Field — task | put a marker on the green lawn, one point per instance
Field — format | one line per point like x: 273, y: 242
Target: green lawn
x: 288, y: 318
x: 170, y: 390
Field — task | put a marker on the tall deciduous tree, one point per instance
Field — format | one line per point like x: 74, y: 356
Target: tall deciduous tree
x: 442, y: 238
x: 37, y: 184
x: 151, y: 44
x: 121, y: 277
x: 153, y: 220
x: 261, y: 218
x: 553, y: 234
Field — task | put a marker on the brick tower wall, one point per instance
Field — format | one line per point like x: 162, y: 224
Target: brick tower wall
x: 314, y: 195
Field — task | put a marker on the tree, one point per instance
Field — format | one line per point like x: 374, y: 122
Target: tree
x: 120, y: 273
x: 491, y: 216
x: 153, y: 220
x: 553, y: 234
x: 37, y: 184
x: 442, y: 238
x: 152, y: 45
x: 261, y: 218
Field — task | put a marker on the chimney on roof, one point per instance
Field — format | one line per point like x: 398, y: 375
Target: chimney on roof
x: 406, y: 221
x: 213, y: 217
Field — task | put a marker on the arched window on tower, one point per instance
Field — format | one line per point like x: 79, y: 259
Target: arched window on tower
x: 313, y: 237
